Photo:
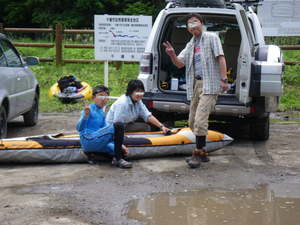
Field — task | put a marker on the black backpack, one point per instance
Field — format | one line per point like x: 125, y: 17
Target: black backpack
x: 68, y: 81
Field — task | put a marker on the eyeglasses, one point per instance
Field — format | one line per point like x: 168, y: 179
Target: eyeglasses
x: 102, y: 96
x: 139, y: 93
x: 193, y: 24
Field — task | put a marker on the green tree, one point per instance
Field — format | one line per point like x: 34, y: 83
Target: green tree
x: 71, y: 13
x: 139, y: 8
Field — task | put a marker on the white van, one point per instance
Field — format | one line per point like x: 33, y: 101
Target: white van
x: 254, y: 68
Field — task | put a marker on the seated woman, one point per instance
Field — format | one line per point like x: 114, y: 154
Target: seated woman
x: 129, y: 108
x: 98, y: 136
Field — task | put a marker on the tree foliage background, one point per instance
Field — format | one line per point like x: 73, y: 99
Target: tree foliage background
x: 70, y: 13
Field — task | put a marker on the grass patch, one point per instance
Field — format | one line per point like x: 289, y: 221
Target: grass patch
x: 273, y: 121
x: 47, y: 74
x: 291, y: 99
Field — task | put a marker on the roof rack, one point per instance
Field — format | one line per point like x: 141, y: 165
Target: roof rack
x: 196, y: 3
x: 211, y: 3
x: 245, y: 3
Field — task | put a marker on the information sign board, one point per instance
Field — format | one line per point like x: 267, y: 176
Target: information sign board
x: 120, y: 37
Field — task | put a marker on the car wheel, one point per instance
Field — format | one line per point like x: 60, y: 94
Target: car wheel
x: 31, y: 117
x: 259, y: 129
x: 3, y: 122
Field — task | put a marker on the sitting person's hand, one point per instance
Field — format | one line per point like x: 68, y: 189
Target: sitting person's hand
x: 86, y: 109
x: 165, y: 129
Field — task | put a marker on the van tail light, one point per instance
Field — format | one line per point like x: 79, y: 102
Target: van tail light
x: 146, y: 63
x: 253, y: 110
x: 149, y: 104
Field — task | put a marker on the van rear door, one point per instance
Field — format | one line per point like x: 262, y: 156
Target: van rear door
x: 246, y: 56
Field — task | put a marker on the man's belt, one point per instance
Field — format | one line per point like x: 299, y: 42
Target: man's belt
x: 198, y: 77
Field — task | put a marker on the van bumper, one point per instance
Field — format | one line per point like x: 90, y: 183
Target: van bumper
x: 170, y: 107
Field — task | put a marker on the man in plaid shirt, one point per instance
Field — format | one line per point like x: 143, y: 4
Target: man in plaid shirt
x: 205, y: 64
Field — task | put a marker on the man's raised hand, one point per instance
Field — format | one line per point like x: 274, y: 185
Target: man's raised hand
x: 169, y: 49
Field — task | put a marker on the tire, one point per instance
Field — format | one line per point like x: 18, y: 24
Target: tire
x: 259, y: 129
x: 3, y: 122
x: 31, y: 117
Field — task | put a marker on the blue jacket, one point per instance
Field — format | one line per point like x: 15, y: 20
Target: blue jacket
x: 96, y: 135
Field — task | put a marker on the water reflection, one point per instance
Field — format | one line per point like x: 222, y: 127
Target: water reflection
x: 261, y: 206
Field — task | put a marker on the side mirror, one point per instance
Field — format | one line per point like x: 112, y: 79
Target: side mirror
x: 31, y: 60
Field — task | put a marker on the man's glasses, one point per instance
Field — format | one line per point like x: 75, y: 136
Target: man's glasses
x: 193, y: 24
x: 139, y: 93
x: 102, y: 96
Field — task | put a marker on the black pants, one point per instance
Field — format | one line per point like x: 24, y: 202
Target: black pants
x: 118, y: 140
x: 200, y: 142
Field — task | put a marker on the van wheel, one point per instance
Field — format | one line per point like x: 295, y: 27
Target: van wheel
x: 31, y: 117
x: 3, y: 122
x: 260, y: 128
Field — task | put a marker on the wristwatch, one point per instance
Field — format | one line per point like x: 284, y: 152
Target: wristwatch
x: 225, y: 80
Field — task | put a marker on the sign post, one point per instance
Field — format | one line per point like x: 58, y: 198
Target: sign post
x: 120, y: 38
x: 106, y: 73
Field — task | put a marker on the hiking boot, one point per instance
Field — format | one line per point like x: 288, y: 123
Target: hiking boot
x: 123, y: 164
x: 187, y: 159
x: 202, y: 158
x: 194, y: 161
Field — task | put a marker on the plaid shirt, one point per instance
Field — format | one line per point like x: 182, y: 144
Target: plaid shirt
x: 211, y: 47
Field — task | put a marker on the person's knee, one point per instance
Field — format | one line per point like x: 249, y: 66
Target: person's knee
x: 119, y: 126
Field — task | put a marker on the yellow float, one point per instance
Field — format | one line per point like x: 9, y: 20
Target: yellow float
x: 71, y: 93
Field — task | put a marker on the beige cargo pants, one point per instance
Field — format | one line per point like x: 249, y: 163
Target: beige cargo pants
x: 200, y: 108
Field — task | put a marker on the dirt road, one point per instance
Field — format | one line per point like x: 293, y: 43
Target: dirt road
x: 80, y: 194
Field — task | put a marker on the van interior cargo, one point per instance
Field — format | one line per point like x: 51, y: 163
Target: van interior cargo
x: 173, y: 79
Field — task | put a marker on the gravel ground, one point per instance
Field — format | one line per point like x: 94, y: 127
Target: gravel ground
x: 80, y: 194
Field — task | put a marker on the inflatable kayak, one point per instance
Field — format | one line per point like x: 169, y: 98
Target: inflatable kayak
x: 66, y: 148
x: 71, y: 93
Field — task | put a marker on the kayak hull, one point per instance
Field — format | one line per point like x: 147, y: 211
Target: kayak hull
x: 66, y: 148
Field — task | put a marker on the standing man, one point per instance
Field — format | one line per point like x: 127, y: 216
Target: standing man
x: 206, y: 76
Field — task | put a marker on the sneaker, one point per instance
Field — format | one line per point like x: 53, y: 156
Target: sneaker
x: 91, y: 159
x: 124, y: 164
x: 194, y: 162
x: 114, y: 162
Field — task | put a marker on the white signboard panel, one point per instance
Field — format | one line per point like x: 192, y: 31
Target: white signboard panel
x: 280, y: 17
x: 121, y: 38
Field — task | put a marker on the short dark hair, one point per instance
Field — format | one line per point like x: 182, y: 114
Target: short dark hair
x: 100, y: 88
x: 134, y: 85
x: 196, y: 15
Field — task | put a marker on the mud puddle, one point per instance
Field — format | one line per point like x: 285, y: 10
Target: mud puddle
x: 261, y: 206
